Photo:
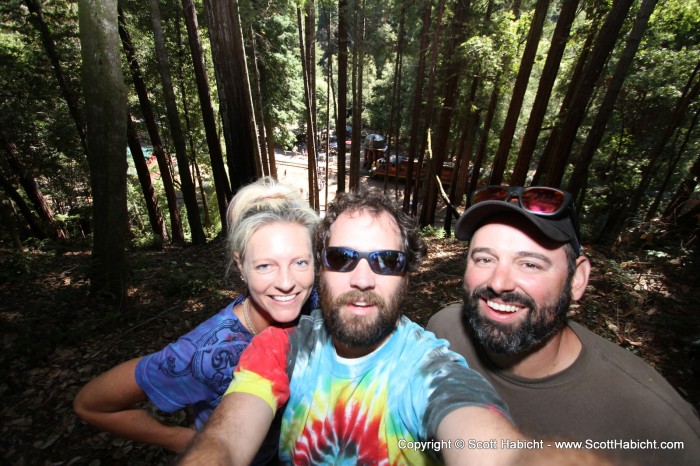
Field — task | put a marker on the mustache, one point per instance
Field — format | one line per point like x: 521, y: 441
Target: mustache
x: 510, y: 297
x: 354, y: 296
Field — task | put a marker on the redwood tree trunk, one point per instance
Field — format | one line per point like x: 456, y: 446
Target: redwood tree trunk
x: 560, y: 37
x: 221, y: 184
x: 105, y: 101
x: 519, y: 88
x: 595, y: 134
x: 186, y: 184
x: 154, y: 215
x: 153, y: 133
x: 70, y: 97
x: 417, y: 103
x: 604, y: 44
x: 341, y: 122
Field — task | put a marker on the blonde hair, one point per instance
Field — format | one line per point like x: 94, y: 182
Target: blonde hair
x: 261, y: 203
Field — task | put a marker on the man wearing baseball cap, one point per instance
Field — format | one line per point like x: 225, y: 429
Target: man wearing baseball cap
x: 524, y: 267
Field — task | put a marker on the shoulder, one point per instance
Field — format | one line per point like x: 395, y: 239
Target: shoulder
x: 423, y: 348
x: 632, y: 375
x: 445, y: 318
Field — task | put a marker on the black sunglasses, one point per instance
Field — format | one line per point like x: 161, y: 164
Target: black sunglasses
x: 386, y: 262
x: 539, y: 200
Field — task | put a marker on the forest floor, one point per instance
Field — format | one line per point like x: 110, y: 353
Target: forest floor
x: 54, y: 337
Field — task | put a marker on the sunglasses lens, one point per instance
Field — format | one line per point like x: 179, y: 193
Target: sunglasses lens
x: 340, y: 259
x: 542, y: 200
x: 387, y: 262
x: 491, y: 193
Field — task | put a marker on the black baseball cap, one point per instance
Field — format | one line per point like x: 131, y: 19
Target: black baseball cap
x: 563, y: 228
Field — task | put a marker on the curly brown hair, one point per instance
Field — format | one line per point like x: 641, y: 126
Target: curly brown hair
x: 374, y: 202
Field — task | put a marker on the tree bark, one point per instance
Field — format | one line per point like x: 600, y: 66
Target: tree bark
x: 341, y: 122
x: 604, y: 44
x: 672, y: 167
x: 105, y: 101
x: 258, y: 103
x: 595, y: 134
x: 310, y: 129
x: 428, y: 114
x: 449, y: 98
x: 153, y: 132
x: 560, y: 37
x: 186, y: 184
x: 155, y: 217
x: 357, y: 78
x: 34, y: 224
x: 418, y: 105
x: 519, y: 88
x: 31, y: 189
x: 70, y: 97
x: 542, y: 165
x: 229, y: 66
x: 218, y: 168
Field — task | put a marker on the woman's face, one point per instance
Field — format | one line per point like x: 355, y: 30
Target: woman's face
x: 279, y: 270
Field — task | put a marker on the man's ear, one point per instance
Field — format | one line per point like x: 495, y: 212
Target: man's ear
x: 580, y: 278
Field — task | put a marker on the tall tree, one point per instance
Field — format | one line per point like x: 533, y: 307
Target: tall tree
x: 34, y: 224
x: 258, y: 102
x: 672, y: 167
x: 560, y: 37
x: 221, y: 184
x: 229, y: 67
x: 341, y: 122
x: 597, y: 13
x: 183, y: 165
x: 166, y: 175
x: 690, y: 93
x: 430, y: 102
x: 595, y: 134
x: 105, y: 101
x: 31, y: 188
x: 310, y: 129
x: 357, y: 92
x: 69, y: 95
x: 603, y: 46
x: 418, y: 105
x: 519, y: 88
x: 154, y: 215
x: 452, y: 71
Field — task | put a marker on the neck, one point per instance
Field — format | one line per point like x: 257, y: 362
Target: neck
x: 351, y: 352
x: 554, y: 356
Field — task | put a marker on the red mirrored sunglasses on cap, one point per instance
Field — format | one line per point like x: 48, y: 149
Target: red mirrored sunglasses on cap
x: 539, y: 200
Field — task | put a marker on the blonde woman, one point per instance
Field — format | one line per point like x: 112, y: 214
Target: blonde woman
x: 269, y: 243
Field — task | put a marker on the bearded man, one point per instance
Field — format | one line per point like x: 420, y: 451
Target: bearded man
x: 358, y: 383
x: 524, y: 267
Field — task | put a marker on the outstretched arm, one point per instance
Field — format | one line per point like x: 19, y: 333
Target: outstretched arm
x: 486, y: 429
x: 233, y: 434
x: 477, y: 424
x: 108, y: 402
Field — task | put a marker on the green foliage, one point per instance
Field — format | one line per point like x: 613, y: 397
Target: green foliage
x: 432, y: 232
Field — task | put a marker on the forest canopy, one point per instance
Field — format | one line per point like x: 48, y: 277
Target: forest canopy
x: 599, y: 98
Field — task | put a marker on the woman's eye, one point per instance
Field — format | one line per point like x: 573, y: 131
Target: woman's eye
x: 263, y: 268
x: 302, y: 264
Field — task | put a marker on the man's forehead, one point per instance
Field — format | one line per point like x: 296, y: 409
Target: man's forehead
x: 513, y: 222
x: 365, y: 218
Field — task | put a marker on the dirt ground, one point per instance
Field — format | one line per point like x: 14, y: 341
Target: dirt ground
x: 55, y: 338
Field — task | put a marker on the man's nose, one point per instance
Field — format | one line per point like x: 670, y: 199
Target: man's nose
x: 362, y: 277
x: 502, y: 279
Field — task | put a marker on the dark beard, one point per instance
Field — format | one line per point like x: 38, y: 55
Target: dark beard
x: 359, y: 331
x: 540, y: 324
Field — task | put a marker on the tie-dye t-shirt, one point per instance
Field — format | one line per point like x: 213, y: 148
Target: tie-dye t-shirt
x: 358, y: 411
